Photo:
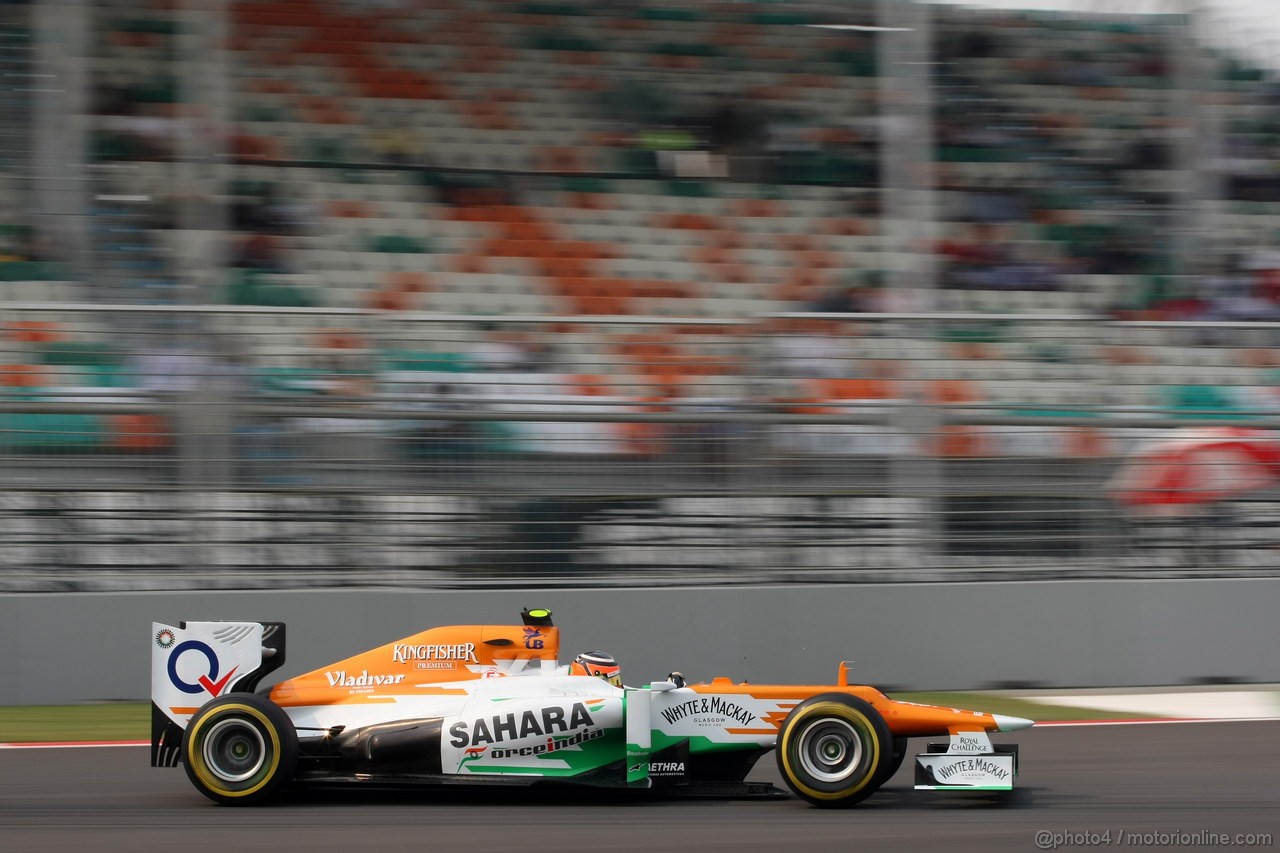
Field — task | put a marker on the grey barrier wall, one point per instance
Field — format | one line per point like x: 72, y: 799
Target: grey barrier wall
x: 61, y: 648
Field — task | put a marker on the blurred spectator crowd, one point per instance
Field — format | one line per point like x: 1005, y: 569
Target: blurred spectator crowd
x: 714, y: 162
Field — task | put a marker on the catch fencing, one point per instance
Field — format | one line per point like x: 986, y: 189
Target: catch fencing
x: 170, y: 447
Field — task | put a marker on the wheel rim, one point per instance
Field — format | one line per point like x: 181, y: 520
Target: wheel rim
x: 830, y: 750
x: 234, y: 751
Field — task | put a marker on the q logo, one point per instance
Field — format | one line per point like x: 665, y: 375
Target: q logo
x: 209, y: 681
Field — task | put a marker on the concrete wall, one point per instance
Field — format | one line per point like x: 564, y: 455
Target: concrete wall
x: 57, y: 648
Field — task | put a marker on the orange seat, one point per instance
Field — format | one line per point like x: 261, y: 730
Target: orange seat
x: 1086, y: 443
x: 756, y: 207
x: 387, y: 300
x: 727, y: 238
x: 714, y: 256
x: 795, y: 242
x: 953, y: 392
x: 471, y: 263
x: 526, y: 230
x: 408, y: 282
x: 566, y: 267
x: 847, y: 226
x: 34, y: 332
x: 956, y: 441
x: 584, y: 83
x: 675, y: 62
x: 338, y: 339
x: 856, y: 389
x: 140, y: 432
x: 21, y: 376
x: 731, y: 273
x: 589, y: 385
x: 686, y: 221
x: 347, y: 210
x: 588, y: 201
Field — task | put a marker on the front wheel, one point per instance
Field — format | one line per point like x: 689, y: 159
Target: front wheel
x: 240, y: 749
x: 899, y: 752
x: 833, y: 750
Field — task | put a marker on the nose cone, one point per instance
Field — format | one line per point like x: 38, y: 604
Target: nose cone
x: 1012, y: 724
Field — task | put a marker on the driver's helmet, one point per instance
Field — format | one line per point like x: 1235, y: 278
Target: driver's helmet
x: 600, y: 664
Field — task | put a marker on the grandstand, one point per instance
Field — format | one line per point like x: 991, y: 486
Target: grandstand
x: 514, y: 160
x: 636, y: 209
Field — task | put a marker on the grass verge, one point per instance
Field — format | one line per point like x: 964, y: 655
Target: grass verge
x: 99, y: 721
x: 994, y: 703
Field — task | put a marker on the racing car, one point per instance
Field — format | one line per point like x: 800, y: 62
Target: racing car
x: 490, y: 704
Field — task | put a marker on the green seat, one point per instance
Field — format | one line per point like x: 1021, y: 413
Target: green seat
x: 162, y: 90
x: 578, y: 184
x: 398, y: 244
x: 1202, y: 403
x: 433, y: 362
x: 248, y: 287
x: 1033, y: 411
x: 288, y: 380
x: 261, y: 112
x: 324, y: 150
x: 686, y: 49
x: 25, y: 271
x: 1237, y: 72
x: 108, y: 376
x: 562, y: 41
x: 287, y: 296
x: 989, y: 332
x: 779, y: 19
x: 639, y: 163
x: 244, y: 186
x: 157, y: 26
x: 553, y: 9
x: 973, y: 154
x: 1082, y: 241
x: 666, y: 14
x: 243, y: 288
x: 854, y: 63
x: 689, y: 189
x: 38, y: 433
x: 80, y: 354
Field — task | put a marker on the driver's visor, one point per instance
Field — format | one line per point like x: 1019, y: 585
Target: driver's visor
x: 611, y: 674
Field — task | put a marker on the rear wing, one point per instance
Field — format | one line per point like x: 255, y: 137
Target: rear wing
x: 195, y: 662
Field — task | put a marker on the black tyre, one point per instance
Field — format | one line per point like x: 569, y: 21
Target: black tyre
x: 832, y: 750
x: 240, y: 749
x: 899, y: 752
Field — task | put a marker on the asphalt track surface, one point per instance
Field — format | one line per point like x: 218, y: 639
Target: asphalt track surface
x: 1220, y: 777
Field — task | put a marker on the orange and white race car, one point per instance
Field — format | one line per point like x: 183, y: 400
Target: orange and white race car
x: 490, y: 704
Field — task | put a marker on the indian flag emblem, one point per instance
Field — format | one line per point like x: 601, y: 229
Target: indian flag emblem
x: 472, y: 754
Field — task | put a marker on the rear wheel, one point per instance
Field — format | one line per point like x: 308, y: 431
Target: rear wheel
x: 833, y: 750
x: 240, y: 749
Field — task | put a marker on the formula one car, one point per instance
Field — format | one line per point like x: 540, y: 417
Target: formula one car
x: 490, y: 704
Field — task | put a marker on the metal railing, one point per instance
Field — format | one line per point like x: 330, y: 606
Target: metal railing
x: 254, y: 447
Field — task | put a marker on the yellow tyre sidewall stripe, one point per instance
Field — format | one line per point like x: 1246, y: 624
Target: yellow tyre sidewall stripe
x: 206, y: 776
x: 865, y: 729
